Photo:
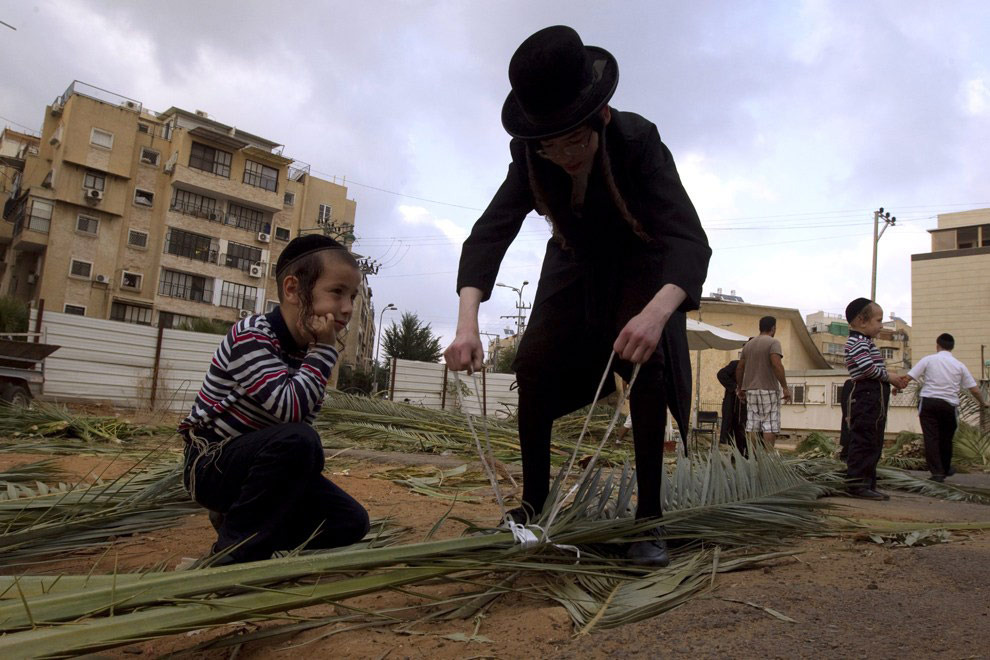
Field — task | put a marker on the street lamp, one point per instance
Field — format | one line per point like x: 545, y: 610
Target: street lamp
x: 888, y: 222
x: 519, y: 305
x: 381, y: 320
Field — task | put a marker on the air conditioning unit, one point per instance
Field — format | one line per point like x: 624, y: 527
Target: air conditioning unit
x: 147, y: 161
x: 130, y: 104
x: 56, y: 108
x: 213, y: 216
x: 94, y: 194
x: 169, y: 167
x: 244, y: 313
x: 264, y: 238
x: 32, y: 278
x: 101, y: 279
x: 257, y: 270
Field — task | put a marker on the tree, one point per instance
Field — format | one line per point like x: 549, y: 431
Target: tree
x: 358, y: 381
x: 504, y: 358
x: 411, y: 340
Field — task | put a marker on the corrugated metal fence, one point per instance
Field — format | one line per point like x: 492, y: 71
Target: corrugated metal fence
x: 431, y: 385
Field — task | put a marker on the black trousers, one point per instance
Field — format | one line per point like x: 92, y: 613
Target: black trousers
x: 559, y: 364
x: 270, y: 487
x: 733, y: 421
x: 867, y: 421
x: 938, y: 424
x: 844, y: 428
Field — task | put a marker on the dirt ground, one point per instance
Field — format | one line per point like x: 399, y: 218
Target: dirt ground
x: 848, y: 597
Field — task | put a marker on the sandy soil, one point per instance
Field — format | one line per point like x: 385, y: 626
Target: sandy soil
x: 848, y: 597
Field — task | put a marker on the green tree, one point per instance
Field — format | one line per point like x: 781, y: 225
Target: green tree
x: 411, y: 339
x: 504, y: 358
x: 358, y: 381
x: 14, y: 315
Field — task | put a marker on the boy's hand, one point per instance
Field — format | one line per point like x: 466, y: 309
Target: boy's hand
x: 322, y: 329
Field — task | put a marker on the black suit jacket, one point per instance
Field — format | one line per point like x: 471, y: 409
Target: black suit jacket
x: 601, y: 249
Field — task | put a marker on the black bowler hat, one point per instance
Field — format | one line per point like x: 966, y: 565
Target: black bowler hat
x: 558, y: 83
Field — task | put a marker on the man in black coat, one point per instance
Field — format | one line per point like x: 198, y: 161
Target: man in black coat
x: 733, y: 409
x: 627, y: 259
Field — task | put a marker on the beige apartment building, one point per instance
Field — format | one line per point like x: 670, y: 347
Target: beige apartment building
x: 158, y: 218
x: 829, y: 333
x: 950, y: 289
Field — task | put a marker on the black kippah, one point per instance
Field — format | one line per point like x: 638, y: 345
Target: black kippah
x: 854, y: 308
x: 301, y: 246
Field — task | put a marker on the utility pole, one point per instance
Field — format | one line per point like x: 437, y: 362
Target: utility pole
x: 887, y: 222
x: 493, y: 358
x: 381, y: 320
x: 520, y: 307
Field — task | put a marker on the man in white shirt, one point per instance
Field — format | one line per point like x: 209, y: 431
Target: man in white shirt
x: 943, y: 377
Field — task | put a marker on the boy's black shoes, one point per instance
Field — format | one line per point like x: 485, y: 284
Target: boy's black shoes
x: 652, y: 552
x: 216, y: 519
x: 867, y: 494
x: 937, y: 477
x: 950, y: 471
x: 523, y: 515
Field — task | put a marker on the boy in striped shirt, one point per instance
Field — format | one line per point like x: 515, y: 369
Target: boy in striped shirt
x: 870, y: 393
x: 252, y: 457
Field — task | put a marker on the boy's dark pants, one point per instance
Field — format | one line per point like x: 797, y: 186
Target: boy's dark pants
x: 269, y: 486
x: 844, y: 428
x: 938, y: 424
x: 867, y: 420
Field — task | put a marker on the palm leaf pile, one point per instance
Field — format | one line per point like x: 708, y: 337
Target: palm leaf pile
x: 348, y: 420
x: 724, y: 512
x: 48, y: 420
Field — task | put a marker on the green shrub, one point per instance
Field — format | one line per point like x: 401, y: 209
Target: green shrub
x: 14, y: 315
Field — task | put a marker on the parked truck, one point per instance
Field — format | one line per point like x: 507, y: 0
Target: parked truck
x: 21, y: 368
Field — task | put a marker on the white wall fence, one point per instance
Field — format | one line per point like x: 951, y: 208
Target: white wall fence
x: 423, y: 384
x: 114, y: 362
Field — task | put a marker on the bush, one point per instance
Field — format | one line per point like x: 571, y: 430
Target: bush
x: 14, y: 315
x: 212, y: 326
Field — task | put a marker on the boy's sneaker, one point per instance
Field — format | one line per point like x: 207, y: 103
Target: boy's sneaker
x: 937, y: 477
x: 652, y: 552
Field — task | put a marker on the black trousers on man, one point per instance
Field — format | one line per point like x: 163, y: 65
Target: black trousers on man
x: 867, y: 422
x: 733, y: 421
x: 270, y: 487
x: 938, y: 425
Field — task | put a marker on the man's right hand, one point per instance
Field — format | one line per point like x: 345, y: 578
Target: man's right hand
x: 465, y: 352
x: 786, y: 395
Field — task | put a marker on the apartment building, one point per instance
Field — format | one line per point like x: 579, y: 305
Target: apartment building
x: 950, y: 289
x: 158, y: 218
x: 15, y: 147
x: 829, y: 333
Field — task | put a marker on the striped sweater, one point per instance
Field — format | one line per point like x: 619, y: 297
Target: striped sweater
x: 863, y: 359
x: 259, y: 377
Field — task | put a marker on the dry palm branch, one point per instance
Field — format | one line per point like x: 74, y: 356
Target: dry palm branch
x: 47, y: 420
x: 723, y: 511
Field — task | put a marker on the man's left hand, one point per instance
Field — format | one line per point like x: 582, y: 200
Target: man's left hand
x: 640, y: 336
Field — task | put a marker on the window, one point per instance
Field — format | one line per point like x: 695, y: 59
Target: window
x: 985, y: 236
x: 192, y: 246
x: 131, y: 281
x: 834, y: 349
x: 78, y: 268
x: 238, y: 296
x: 40, y: 216
x: 144, y: 128
x: 270, y: 305
x: 144, y: 197
x: 282, y: 233
x: 289, y: 199
x: 241, y: 256
x: 325, y: 215
x: 137, y: 239
x: 150, y: 156
x: 887, y: 352
x: 95, y: 180
x: 966, y: 237
x: 190, y: 203
x: 183, y: 285
x: 798, y: 393
x: 87, y: 225
x: 243, y: 217
x: 260, y: 176
x: 99, y: 138
x: 78, y: 310
x: 836, y: 394
x: 130, y: 313
x: 176, y: 321
x: 210, y: 160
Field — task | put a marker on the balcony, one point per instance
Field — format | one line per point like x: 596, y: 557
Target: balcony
x: 210, y: 213
x: 195, y: 253
x: 200, y: 181
x: 245, y: 264
x: 191, y: 292
x: 30, y: 233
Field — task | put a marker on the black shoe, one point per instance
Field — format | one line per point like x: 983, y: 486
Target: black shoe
x: 650, y: 553
x: 937, y: 477
x: 522, y: 515
x: 882, y: 494
x: 867, y: 494
x: 951, y: 471
x: 216, y: 519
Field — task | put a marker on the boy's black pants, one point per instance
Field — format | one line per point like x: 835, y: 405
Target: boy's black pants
x: 867, y: 421
x: 270, y: 488
x: 938, y: 424
x: 844, y: 428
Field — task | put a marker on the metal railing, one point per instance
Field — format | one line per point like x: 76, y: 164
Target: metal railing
x: 213, y: 214
x: 186, y: 292
x: 237, y: 302
x: 297, y: 170
x: 179, y: 249
x: 241, y: 262
x: 261, y: 181
x: 32, y: 222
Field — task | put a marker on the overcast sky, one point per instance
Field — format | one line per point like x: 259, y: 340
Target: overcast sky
x: 790, y: 122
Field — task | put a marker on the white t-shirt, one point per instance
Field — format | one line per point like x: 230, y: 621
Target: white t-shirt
x: 943, y: 377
